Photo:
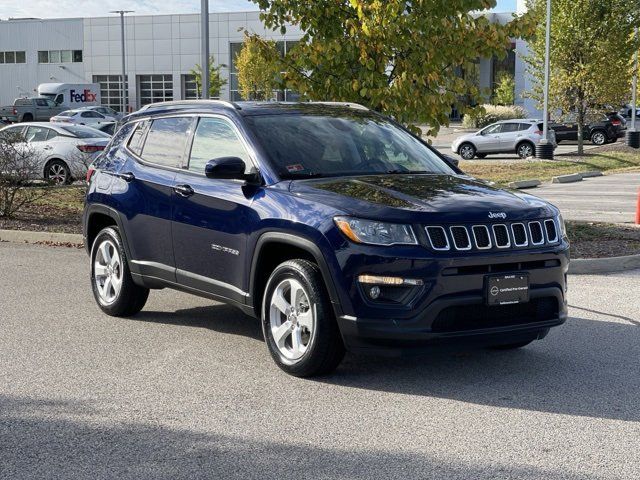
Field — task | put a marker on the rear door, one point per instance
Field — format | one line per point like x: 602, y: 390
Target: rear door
x: 156, y: 152
x: 509, y: 136
x: 211, y: 217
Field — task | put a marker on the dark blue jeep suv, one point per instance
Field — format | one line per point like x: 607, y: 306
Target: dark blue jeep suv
x: 334, y: 225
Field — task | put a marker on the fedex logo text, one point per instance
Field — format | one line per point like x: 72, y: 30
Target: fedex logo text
x: 85, y: 96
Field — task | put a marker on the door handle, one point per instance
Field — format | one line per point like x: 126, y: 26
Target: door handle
x: 183, y: 190
x: 127, y: 176
x: 47, y: 148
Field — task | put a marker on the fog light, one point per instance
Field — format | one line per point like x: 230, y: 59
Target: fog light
x: 374, y: 292
x: 382, y: 280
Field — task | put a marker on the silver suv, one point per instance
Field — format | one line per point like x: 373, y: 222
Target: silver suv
x: 507, y: 136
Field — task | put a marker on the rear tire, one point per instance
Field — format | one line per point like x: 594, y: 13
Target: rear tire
x: 525, y: 150
x: 598, y: 137
x: 113, y: 288
x: 57, y: 172
x: 27, y: 117
x: 298, y: 323
x: 467, y: 151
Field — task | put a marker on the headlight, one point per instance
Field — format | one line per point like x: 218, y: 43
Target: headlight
x: 375, y: 233
x: 561, y: 224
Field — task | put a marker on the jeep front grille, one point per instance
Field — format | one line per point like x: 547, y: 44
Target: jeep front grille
x: 499, y: 236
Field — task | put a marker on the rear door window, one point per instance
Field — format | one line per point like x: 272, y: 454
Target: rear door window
x: 166, y: 141
x: 510, y: 127
x: 37, y: 134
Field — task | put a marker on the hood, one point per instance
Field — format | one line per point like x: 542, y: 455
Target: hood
x: 449, y: 198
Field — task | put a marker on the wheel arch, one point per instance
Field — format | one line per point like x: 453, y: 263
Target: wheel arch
x: 273, y: 248
x: 98, y: 217
x: 465, y: 143
x: 526, y: 140
x: 51, y: 160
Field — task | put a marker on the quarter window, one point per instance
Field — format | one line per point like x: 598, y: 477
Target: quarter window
x: 215, y: 138
x: 135, y: 142
x: 166, y: 141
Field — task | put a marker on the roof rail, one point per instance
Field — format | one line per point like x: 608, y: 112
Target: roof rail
x: 353, y: 105
x: 186, y: 103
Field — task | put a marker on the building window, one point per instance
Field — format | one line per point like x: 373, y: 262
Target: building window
x: 59, y: 56
x: 505, y: 66
x: 189, y: 88
x: 13, y: 57
x: 234, y: 94
x: 154, y: 88
x: 110, y: 90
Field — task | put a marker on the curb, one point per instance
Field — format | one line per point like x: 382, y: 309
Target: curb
x: 25, y: 236
x: 588, y: 266
x: 522, y: 184
x: 591, y: 174
x: 574, y: 177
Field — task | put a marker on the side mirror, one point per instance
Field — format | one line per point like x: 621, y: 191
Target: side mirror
x: 229, y: 168
x: 451, y: 160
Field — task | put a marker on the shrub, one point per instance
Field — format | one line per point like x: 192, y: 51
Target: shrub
x: 484, y: 115
x: 505, y: 90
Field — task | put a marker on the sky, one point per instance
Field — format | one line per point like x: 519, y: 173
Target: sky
x: 97, y: 8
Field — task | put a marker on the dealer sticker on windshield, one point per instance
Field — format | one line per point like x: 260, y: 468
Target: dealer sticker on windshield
x: 294, y: 168
x: 507, y: 289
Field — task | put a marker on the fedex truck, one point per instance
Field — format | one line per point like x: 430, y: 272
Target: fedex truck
x: 71, y: 95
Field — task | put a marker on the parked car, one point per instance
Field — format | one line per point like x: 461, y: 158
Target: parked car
x: 64, y: 151
x: 600, y: 128
x: 627, y: 110
x: 82, y: 116
x: 30, y: 109
x: 108, y: 128
x: 331, y: 223
x: 507, y: 136
x: 106, y: 111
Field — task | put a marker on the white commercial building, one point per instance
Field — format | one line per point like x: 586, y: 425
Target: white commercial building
x: 161, y: 51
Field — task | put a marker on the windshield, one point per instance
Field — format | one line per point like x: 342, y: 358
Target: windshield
x: 84, y: 132
x: 310, y: 145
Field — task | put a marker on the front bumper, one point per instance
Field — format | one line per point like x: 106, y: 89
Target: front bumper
x: 451, y: 308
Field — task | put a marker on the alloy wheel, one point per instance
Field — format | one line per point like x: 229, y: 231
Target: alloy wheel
x: 107, y: 272
x: 598, y: 138
x: 525, y: 151
x: 467, y: 152
x: 57, y: 173
x: 291, y: 319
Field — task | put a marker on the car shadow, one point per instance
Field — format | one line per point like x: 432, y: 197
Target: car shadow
x: 42, y: 438
x: 585, y: 367
x: 219, y: 318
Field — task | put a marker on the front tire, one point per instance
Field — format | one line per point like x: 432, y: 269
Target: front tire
x: 298, y: 323
x: 467, y: 151
x: 113, y: 288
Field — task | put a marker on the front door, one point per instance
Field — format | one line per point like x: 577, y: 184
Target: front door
x: 211, y: 217
x: 509, y: 136
x: 488, y: 140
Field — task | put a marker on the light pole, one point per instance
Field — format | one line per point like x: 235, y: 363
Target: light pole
x: 204, y: 50
x: 633, y: 135
x: 544, y: 149
x: 124, y: 76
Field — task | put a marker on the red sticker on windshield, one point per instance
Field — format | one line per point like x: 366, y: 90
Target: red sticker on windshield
x: 295, y: 168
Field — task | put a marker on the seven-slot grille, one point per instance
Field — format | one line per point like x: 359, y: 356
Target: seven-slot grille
x: 498, y: 235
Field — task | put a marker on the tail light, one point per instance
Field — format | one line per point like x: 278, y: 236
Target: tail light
x: 616, y: 122
x: 90, y: 173
x: 15, y: 111
x: 90, y: 148
x: 538, y: 132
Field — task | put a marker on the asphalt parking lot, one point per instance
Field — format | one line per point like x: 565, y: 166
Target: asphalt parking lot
x: 611, y: 198
x: 186, y: 389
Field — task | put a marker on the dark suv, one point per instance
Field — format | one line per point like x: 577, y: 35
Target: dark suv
x: 335, y: 226
x: 599, y: 128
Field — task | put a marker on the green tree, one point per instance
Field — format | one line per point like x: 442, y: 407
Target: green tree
x: 591, y: 47
x: 216, y: 82
x: 505, y: 90
x: 258, y: 64
x: 405, y: 58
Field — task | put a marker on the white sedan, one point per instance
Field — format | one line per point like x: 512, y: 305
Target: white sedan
x: 63, y: 152
x: 82, y: 116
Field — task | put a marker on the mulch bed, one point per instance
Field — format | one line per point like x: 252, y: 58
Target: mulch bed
x: 601, y: 240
